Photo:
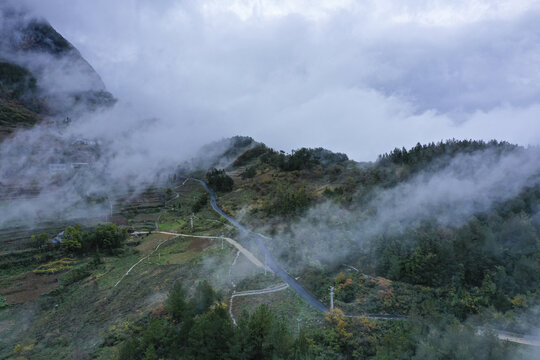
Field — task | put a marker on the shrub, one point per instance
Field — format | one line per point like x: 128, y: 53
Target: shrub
x: 75, y: 275
x: 249, y: 172
x: 219, y: 180
x: 250, y: 154
x: 200, y: 203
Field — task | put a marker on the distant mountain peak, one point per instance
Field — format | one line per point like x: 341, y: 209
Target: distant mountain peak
x: 62, y: 82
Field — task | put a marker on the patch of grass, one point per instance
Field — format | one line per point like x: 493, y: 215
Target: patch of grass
x: 285, y: 304
x: 258, y: 281
x: 114, y: 268
x: 13, y: 114
x: 19, y: 262
x: 172, y: 225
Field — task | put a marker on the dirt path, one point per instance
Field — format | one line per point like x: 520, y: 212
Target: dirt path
x: 146, y: 257
x: 234, y: 243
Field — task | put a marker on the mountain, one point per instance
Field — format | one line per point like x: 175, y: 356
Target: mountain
x: 419, y: 260
x: 241, y: 252
x: 42, y: 74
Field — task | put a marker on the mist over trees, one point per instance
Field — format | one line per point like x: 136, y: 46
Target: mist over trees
x: 447, y: 233
x: 188, y: 330
x: 446, y: 216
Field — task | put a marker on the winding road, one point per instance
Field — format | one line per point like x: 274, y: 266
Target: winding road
x: 272, y: 264
x: 270, y: 260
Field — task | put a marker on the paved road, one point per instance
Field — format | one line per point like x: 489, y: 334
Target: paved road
x: 270, y: 260
x: 513, y: 337
x: 299, y: 289
x: 261, y: 291
x: 274, y: 266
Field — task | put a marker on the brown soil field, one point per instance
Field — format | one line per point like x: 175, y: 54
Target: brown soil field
x: 29, y: 286
x: 199, y: 245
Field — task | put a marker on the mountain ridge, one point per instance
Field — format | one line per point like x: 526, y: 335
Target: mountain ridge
x: 42, y: 75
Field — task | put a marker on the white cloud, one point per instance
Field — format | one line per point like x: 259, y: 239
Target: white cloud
x: 359, y: 77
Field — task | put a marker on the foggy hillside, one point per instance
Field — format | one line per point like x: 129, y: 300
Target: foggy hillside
x: 164, y: 225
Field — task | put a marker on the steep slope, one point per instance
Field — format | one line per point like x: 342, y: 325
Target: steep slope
x: 42, y: 75
x: 323, y: 217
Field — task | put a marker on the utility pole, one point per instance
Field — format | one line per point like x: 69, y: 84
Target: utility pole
x: 331, y: 297
x: 109, y: 217
x: 221, y: 241
x: 298, y: 319
x: 191, y: 222
x: 265, y: 266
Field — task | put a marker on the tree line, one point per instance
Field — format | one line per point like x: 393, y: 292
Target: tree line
x: 106, y: 237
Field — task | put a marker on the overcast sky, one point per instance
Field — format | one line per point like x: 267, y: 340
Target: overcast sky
x: 355, y: 77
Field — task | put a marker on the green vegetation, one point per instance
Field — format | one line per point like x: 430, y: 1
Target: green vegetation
x: 40, y: 240
x: 201, y: 329
x: 449, y: 279
x: 39, y: 35
x: 300, y: 159
x: 476, y: 264
x: 202, y: 200
x: 184, y: 329
x: 289, y: 201
x: 422, y: 156
x: 249, y: 173
x: 3, y: 302
x: 55, y: 266
x: 104, y: 237
x: 16, y: 82
x: 219, y: 180
x: 13, y: 114
x: 20, y: 261
x: 19, y: 103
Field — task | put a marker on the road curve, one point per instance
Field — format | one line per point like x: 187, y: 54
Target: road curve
x: 299, y: 289
x: 295, y: 285
x: 276, y: 268
x: 234, y: 243
x: 270, y: 260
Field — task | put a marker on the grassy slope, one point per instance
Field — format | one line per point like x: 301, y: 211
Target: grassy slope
x: 75, y: 319
x: 18, y: 101
x: 65, y: 330
x: 89, y: 317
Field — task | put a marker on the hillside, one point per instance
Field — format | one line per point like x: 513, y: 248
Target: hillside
x: 323, y: 213
x: 36, y: 63
x: 243, y: 251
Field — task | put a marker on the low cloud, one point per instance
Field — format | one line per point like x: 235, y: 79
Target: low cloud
x: 468, y: 185
x: 355, y: 78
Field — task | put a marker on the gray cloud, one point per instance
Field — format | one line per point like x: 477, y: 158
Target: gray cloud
x: 355, y: 78
x: 358, y: 78
x: 470, y: 184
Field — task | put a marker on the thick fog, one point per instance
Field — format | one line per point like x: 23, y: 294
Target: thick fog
x: 449, y: 195
x: 355, y: 77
